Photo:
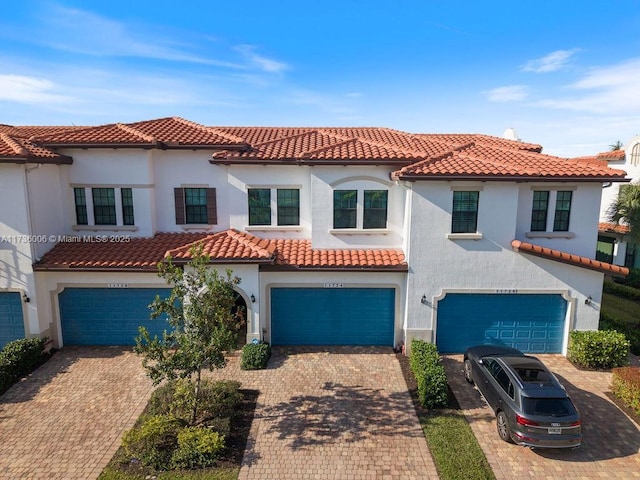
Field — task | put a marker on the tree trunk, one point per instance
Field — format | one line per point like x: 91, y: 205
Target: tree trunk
x: 196, y: 397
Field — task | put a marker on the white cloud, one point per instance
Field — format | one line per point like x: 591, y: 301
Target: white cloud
x: 549, y: 63
x: 80, y: 31
x: 508, y: 93
x: 259, y: 61
x: 26, y: 89
x: 611, y: 90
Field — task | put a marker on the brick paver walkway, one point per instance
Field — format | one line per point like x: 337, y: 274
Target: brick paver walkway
x: 66, y: 420
x: 611, y: 447
x: 341, y: 413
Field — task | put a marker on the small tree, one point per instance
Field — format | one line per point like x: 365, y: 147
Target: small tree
x: 200, y: 311
x: 617, y: 145
x: 626, y: 208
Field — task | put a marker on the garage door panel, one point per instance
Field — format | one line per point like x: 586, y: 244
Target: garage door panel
x: 104, y: 316
x: 11, y: 317
x: 471, y: 319
x: 332, y: 316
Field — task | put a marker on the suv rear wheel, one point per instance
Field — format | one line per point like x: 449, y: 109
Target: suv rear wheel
x: 467, y: 371
x: 503, y: 427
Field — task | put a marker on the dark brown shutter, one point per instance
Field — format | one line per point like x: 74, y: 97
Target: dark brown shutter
x: 178, y: 194
x: 212, y: 208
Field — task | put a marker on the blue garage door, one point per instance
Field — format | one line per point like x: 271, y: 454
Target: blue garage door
x: 332, y: 316
x: 531, y: 323
x: 11, y: 319
x: 107, y: 316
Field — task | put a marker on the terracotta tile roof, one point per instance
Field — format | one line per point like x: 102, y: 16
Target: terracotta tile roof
x: 136, y: 254
x: 612, y: 155
x: 568, y: 258
x: 608, y: 227
x: 230, y: 246
x: 416, y: 156
x: 483, y: 161
x: 16, y: 149
x: 298, y: 254
x: 170, y: 132
x: 234, y: 246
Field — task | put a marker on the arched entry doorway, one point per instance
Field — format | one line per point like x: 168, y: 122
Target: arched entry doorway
x: 240, y: 311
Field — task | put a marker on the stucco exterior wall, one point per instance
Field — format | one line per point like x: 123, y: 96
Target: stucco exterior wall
x: 439, y: 264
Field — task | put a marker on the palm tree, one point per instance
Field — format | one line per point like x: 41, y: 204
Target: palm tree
x: 626, y: 209
x: 617, y: 145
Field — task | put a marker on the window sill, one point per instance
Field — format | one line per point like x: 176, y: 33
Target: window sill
x: 359, y: 231
x: 550, y: 235
x: 464, y: 236
x: 196, y: 226
x: 104, y: 228
x: 273, y: 228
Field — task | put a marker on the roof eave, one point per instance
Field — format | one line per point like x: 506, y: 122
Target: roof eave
x: 310, y: 162
x: 59, y: 160
x: 377, y: 269
x: 509, y: 178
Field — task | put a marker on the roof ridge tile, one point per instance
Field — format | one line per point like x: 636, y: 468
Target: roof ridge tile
x: 138, y: 133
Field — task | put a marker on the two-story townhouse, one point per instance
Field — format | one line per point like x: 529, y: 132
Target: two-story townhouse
x: 350, y: 236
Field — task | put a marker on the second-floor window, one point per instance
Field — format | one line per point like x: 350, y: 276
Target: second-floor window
x: 285, y: 211
x: 104, y: 206
x: 563, y: 209
x: 542, y: 199
x: 464, y: 216
x: 195, y: 206
x: 347, y: 209
x: 539, y: 211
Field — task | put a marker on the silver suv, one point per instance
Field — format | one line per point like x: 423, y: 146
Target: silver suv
x: 532, y: 408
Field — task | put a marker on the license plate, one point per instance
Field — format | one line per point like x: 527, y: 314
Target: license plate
x: 555, y: 431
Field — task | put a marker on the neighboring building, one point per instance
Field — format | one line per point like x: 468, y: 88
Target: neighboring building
x: 351, y: 236
x: 614, y: 245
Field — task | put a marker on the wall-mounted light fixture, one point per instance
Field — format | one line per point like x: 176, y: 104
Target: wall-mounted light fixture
x: 25, y: 298
x: 588, y: 300
x: 423, y: 300
x: 253, y: 298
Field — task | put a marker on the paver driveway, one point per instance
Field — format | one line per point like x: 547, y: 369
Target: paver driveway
x: 66, y: 420
x: 321, y: 413
x: 611, y: 446
x: 338, y: 413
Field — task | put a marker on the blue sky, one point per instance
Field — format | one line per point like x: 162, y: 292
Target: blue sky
x: 565, y: 74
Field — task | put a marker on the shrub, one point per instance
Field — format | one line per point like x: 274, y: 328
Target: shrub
x: 255, y: 356
x: 216, y: 399
x: 598, y: 349
x: 626, y: 290
x: 429, y: 373
x: 198, y: 447
x: 153, y: 441
x: 632, y: 280
x: 626, y: 386
x: 608, y: 322
x: 19, y: 358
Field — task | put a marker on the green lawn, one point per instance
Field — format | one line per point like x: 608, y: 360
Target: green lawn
x: 623, y: 309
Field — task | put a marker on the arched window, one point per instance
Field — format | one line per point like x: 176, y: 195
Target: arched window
x: 635, y: 154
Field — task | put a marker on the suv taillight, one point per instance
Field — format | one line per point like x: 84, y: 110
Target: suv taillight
x: 526, y: 422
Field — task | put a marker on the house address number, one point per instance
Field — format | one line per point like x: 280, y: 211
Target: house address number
x: 507, y: 290
x: 333, y: 285
x: 117, y: 285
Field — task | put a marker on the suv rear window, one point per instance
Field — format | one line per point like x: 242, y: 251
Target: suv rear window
x: 553, y: 407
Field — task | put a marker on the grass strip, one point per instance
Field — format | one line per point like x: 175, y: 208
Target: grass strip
x: 454, y: 447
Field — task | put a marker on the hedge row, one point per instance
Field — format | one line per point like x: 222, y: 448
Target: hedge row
x: 620, y: 290
x: 429, y: 373
x: 19, y: 358
x: 598, y: 349
x: 608, y: 322
x: 626, y: 386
